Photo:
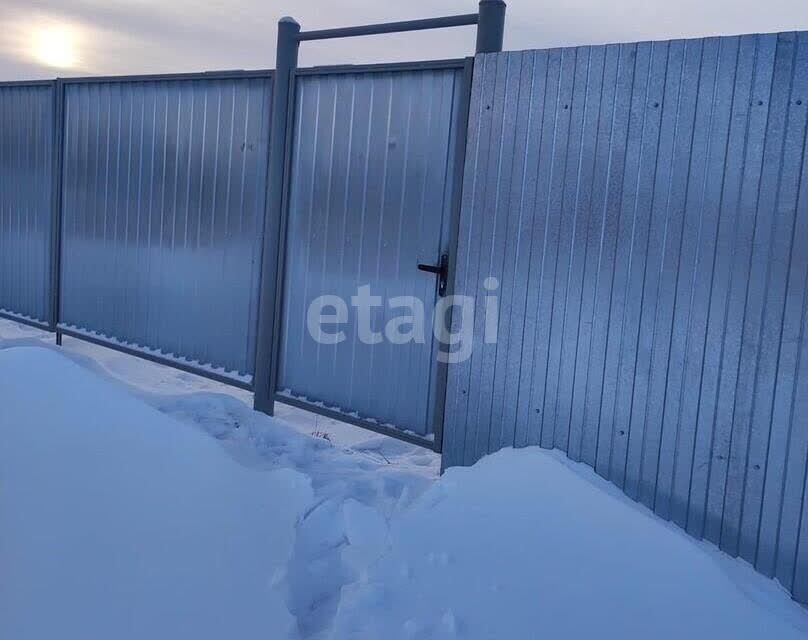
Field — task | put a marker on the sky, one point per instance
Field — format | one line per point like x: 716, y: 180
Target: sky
x: 60, y: 38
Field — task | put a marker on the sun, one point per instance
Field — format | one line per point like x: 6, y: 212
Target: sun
x: 55, y: 46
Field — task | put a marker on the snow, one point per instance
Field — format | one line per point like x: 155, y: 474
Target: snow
x: 523, y: 546
x: 344, y: 463
x: 137, y: 501
x: 200, y: 400
x: 118, y: 522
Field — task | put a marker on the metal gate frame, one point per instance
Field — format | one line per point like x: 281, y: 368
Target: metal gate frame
x: 490, y: 23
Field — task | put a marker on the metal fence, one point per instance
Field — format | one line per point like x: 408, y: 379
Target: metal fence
x: 150, y: 214
x: 641, y: 207
x: 27, y: 154
x: 163, y: 188
x: 644, y: 209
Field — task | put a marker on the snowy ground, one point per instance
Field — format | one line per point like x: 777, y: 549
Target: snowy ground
x: 137, y: 501
x: 210, y: 404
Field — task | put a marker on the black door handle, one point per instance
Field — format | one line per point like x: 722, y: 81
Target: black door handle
x: 441, y: 270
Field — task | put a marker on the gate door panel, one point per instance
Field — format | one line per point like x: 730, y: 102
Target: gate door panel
x: 370, y: 198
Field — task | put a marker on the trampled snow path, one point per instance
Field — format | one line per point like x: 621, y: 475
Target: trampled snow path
x: 348, y: 540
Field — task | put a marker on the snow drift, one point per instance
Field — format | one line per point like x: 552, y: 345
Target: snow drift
x: 118, y: 522
x: 524, y: 546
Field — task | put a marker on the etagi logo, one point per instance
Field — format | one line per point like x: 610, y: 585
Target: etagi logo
x: 453, y: 320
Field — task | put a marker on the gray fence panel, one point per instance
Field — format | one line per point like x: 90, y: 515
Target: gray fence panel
x: 26, y: 189
x: 370, y: 198
x: 645, y: 209
x: 163, y: 203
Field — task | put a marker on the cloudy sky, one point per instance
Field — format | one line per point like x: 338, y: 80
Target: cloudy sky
x: 48, y: 38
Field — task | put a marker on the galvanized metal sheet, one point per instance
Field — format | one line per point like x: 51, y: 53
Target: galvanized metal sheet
x: 26, y: 191
x: 163, y: 204
x: 645, y: 209
x: 370, y: 198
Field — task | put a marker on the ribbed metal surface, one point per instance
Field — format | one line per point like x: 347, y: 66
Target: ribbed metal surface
x: 26, y: 190
x: 163, y: 204
x: 645, y: 209
x: 370, y: 198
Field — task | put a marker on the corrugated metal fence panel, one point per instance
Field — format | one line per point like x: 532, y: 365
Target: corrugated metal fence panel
x: 370, y: 198
x: 645, y: 209
x: 26, y: 189
x: 163, y: 205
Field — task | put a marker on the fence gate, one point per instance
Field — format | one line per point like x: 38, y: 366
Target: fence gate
x: 370, y: 197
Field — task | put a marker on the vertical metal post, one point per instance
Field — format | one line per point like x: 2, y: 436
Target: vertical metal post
x: 56, y: 208
x: 491, y: 26
x: 267, y: 334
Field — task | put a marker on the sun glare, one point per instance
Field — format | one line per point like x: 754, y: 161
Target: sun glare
x: 55, y: 46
